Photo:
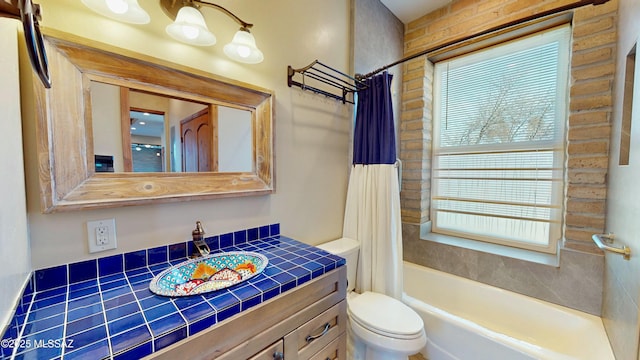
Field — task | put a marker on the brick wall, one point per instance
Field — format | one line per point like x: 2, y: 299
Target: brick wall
x: 590, y: 104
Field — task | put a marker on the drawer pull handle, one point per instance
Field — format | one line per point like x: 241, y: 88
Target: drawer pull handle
x: 310, y: 338
x: 278, y: 355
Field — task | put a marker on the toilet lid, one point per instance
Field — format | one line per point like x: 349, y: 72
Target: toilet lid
x: 385, y: 315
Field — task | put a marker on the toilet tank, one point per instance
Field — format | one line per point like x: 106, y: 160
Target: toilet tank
x: 349, y: 250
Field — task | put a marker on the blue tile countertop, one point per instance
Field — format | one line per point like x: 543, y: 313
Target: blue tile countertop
x: 103, y: 309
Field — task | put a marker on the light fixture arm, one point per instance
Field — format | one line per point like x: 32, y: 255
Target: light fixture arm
x: 171, y: 8
x: 244, y: 24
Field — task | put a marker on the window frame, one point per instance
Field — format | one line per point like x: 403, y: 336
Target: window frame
x: 558, y: 144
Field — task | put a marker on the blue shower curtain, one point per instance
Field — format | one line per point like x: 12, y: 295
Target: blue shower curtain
x: 374, y: 140
x: 372, y: 212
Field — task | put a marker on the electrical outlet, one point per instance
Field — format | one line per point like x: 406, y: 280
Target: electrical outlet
x: 101, y: 235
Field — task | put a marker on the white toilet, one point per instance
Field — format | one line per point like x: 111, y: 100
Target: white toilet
x: 380, y: 326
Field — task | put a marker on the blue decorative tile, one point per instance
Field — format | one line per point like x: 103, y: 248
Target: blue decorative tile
x: 85, y: 301
x: 226, y: 240
x: 187, y: 301
x: 83, y: 292
x: 158, y: 268
x: 51, y: 278
x: 137, y: 271
x: 115, y: 292
x: 110, y: 265
x: 45, y: 312
x: 90, y: 336
x: 129, y: 339
x: 274, y: 229
x: 213, y: 242
x: 239, y: 237
x: 177, y: 251
x: 40, y: 353
x: 252, y: 234
x: 82, y: 271
x: 122, y: 311
x: 111, y: 278
x: 137, y: 352
x: 198, y: 311
x: 263, y: 232
x: 287, y: 281
x: 142, y: 291
x: 166, y: 324
x: 113, y: 285
x: 41, y: 295
x: 97, y: 350
x: 160, y: 311
x: 79, y: 313
x: 329, y: 263
x: 170, y: 338
x: 266, y: 284
x: 85, y: 323
x: 286, y: 265
x: 153, y: 301
x: 228, y: 312
x: 135, y: 259
x: 49, y: 301
x: 316, y: 268
x: 126, y: 323
x: 203, y: 323
x: 244, y: 292
x: 301, y: 273
x: 157, y: 255
x: 119, y: 301
x: 44, y: 324
x: 42, y: 337
x: 144, y: 279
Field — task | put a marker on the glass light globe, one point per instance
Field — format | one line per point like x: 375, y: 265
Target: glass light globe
x: 190, y: 28
x: 243, y: 48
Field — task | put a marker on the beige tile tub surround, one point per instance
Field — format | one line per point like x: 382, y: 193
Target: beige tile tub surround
x: 576, y: 283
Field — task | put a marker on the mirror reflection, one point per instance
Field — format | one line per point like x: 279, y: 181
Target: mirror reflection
x: 138, y: 131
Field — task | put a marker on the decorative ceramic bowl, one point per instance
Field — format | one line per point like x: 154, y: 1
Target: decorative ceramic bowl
x: 209, y: 273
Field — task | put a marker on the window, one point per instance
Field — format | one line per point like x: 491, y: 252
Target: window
x: 498, y: 143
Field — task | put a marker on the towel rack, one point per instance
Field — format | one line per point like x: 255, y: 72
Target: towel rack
x: 317, y: 74
x: 601, y: 239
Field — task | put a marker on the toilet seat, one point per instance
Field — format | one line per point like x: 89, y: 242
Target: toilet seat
x: 385, y: 316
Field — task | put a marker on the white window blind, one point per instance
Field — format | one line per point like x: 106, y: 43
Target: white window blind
x: 498, y: 143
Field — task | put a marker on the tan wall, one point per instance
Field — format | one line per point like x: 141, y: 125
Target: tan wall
x: 311, y: 131
x: 590, y: 103
x: 15, y: 262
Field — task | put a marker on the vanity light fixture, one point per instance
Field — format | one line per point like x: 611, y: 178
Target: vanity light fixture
x: 189, y: 27
x: 122, y: 10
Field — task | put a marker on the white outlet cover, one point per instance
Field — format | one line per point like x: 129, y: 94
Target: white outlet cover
x: 107, y: 227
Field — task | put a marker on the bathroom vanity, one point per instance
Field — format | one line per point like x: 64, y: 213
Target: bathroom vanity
x: 104, y: 308
x: 306, y: 323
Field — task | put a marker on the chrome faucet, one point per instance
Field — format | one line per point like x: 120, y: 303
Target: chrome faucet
x: 200, y: 247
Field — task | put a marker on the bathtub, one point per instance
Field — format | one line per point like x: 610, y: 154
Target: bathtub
x: 466, y: 319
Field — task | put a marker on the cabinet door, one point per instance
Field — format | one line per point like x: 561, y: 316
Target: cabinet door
x: 274, y: 351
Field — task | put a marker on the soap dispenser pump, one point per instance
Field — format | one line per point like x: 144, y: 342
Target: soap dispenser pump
x: 200, y: 247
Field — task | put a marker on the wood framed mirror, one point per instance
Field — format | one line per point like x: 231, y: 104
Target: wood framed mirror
x: 69, y: 167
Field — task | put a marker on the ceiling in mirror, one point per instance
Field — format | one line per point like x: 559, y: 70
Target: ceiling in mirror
x: 87, y: 144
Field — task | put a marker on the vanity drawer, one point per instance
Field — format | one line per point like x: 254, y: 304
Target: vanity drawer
x: 336, y: 350
x: 313, y: 336
x: 274, y: 351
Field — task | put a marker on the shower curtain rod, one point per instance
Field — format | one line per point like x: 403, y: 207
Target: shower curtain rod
x: 543, y: 14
